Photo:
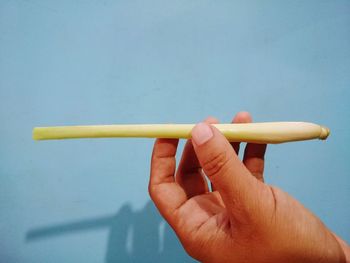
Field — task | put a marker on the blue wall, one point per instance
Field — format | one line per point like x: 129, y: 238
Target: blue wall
x: 101, y: 62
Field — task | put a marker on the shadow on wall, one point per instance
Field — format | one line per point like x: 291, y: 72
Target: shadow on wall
x: 140, y: 236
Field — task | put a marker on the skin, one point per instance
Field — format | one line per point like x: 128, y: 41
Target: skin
x: 242, y: 219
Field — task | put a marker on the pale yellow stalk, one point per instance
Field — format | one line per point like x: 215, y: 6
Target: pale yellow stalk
x: 265, y: 132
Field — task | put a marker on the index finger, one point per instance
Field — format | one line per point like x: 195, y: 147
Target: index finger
x: 165, y: 192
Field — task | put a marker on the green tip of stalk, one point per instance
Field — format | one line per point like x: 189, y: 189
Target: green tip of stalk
x: 36, y: 134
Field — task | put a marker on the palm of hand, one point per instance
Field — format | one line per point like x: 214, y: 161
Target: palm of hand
x: 205, y: 217
x: 209, y: 231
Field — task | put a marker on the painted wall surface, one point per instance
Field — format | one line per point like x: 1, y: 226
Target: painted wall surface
x: 100, y: 62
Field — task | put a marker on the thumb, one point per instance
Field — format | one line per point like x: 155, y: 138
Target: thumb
x: 237, y: 187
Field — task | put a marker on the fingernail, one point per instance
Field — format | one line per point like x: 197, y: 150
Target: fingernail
x: 201, y: 133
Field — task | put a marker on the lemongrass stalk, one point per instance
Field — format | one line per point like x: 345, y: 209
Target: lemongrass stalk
x: 264, y: 132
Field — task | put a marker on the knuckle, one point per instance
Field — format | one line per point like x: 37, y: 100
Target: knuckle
x: 151, y: 191
x: 215, y: 163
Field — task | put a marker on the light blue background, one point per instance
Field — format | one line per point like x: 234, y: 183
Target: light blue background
x: 101, y: 62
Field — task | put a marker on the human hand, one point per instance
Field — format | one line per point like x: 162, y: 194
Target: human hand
x: 242, y: 219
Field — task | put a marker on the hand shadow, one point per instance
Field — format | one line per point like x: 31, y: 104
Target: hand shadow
x: 140, y: 236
